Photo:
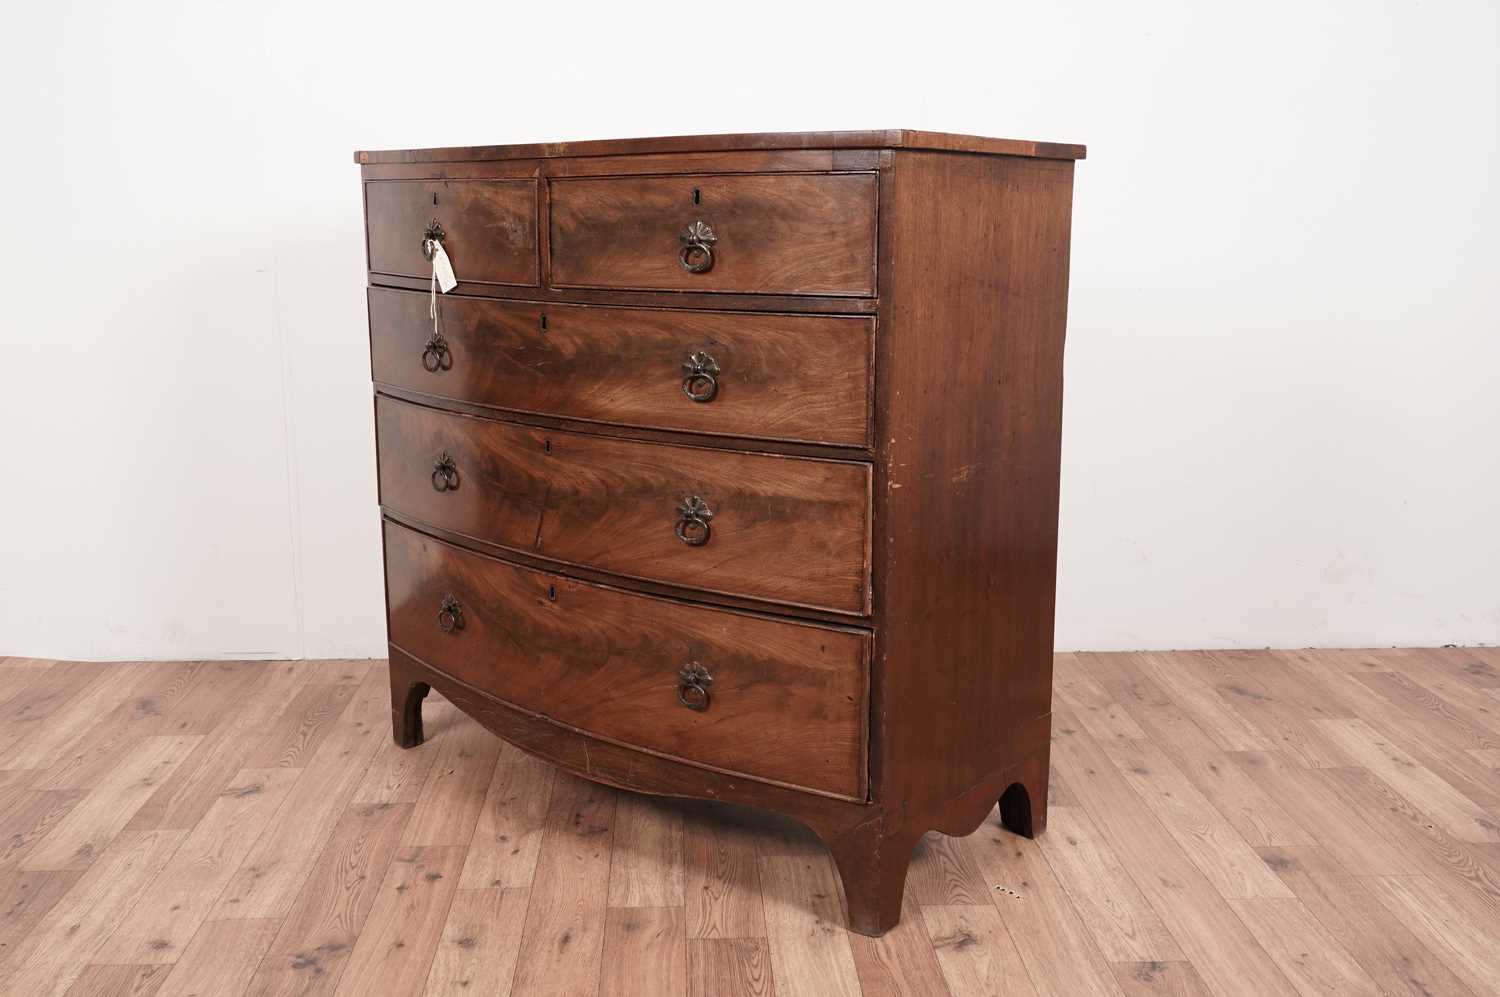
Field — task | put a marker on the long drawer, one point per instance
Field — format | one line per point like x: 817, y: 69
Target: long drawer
x: 755, y: 233
x: 779, y: 701
x: 782, y: 529
x: 790, y: 377
x: 488, y: 228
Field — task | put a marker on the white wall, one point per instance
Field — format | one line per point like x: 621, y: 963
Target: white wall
x: 1282, y: 408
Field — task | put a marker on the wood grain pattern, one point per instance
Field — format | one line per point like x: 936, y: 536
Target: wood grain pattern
x: 1458, y: 815
x: 901, y: 962
x: 25, y: 898
x: 221, y: 958
x: 1229, y: 730
x: 1110, y: 885
x: 29, y: 815
x: 788, y: 701
x: 1049, y: 935
x: 1095, y: 706
x: 453, y: 794
x: 268, y: 881
x: 315, y: 938
x: 13, y: 781
x: 1467, y: 869
x: 645, y: 951
x: 318, y: 933
x: 191, y: 697
x: 119, y: 981
x: 398, y: 776
x: 975, y: 951
x: 183, y: 798
x: 788, y: 377
x: 481, y: 941
x: 979, y: 495
x: 721, y: 882
x: 1468, y: 727
x: 1280, y: 704
x: 881, y: 139
x: 1202, y: 831
x: 395, y: 950
x: 943, y: 874
x: 664, y: 590
x: 508, y: 834
x: 777, y: 233
x: 89, y: 825
x: 1122, y: 923
x: 1351, y: 914
x: 768, y: 160
x: 1403, y: 725
x: 174, y: 906
x: 38, y: 694
x: 54, y: 953
x: 1255, y: 814
x: 44, y: 747
x: 1160, y: 979
x: 646, y: 868
x: 1209, y: 933
x: 1322, y: 806
x: 1470, y: 948
x: 490, y: 228
x: 301, y: 727
x: 810, y: 956
x: 729, y: 967
x: 1302, y: 948
x: 783, y: 529
x: 563, y: 942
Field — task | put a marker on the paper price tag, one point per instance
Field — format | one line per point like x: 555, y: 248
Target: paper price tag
x: 442, y: 269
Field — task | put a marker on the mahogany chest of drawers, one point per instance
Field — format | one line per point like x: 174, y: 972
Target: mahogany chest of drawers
x: 729, y: 468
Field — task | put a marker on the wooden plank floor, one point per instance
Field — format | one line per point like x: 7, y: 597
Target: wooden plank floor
x: 1260, y: 823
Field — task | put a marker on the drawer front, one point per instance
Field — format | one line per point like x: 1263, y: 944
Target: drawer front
x: 782, y: 529
x: 767, y: 234
x: 489, y: 228
x: 784, y: 702
x: 789, y: 377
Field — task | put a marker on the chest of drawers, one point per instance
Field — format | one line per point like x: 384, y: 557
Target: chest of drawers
x: 729, y: 468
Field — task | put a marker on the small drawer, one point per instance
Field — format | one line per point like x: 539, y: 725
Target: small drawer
x: 755, y: 234
x: 771, y: 700
x: 782, y: 529
x: 787, y: 377
x: 488, y: 228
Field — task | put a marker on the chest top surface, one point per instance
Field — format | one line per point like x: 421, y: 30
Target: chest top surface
x: 890, y: 138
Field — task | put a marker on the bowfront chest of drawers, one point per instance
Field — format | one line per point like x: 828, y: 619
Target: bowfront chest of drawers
x: 729, y: 468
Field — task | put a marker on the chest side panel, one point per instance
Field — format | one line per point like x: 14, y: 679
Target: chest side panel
x: 969, y: 422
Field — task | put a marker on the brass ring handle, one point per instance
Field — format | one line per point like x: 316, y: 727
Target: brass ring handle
x: 692, y: 522
x: 692, y: 686
x: 450, y: 616
x: 696, y: 257
x: 430, y: 237
x: 700, y: 380
x: 697, y: 252
x: 436, y: 355
x: 444, y: 474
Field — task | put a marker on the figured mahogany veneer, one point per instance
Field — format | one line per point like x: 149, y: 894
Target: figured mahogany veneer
x: 488, y: 227
x: 783, y: 529
x: 788, y: 702
x: 772, y: 234
x: 782, y: 377
x: 730, y: 469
